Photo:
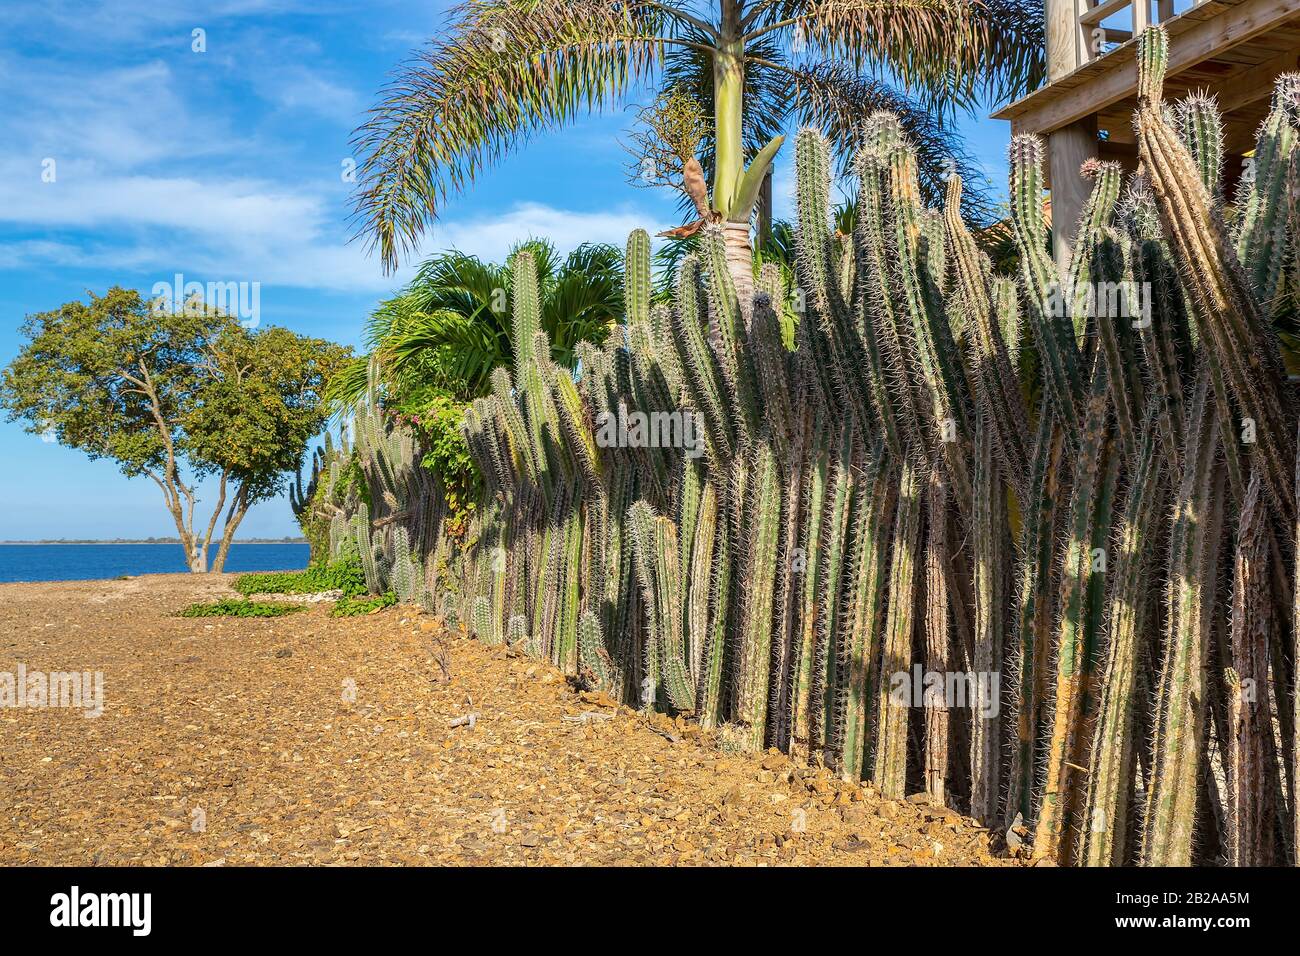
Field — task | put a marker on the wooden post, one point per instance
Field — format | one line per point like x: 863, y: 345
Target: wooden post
x: 1069, y: 147
x: 1062, y: 22
x: 1141, y: 16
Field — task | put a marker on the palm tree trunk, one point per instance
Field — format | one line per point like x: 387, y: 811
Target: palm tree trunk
x: 728, y: 107
x: 740, y: 262
x: 729, y: 157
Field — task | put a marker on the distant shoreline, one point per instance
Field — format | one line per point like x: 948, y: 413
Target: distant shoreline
x: 155, y: 541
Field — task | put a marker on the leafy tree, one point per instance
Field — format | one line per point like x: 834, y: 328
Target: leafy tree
x: 175, y: 396
x: 506, y: 69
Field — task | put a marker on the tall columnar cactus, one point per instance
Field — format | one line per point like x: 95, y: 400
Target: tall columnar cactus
x: 1178, y: 748
x: 989, y: 527
x: 1057, y: 349
x: 1226, y: 302
x: 890, y: 773
x: 864, y: 612
x: 403, y: 523
x: 937, y: 637
x: 1043, y: 521
x: 1015, y: 479
x: 1262, y: 232
x: 1083, y: 582
x: 659, y: 568
x: 596, y: 668
x: 1201, y: 126
x: 985, y: 311
x: 1115, y: 740
x: 764, y: 507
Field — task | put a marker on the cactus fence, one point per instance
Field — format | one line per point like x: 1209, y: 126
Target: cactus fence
x: 1026, y: 543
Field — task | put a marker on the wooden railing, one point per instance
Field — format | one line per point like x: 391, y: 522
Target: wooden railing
x: 1097, y: 39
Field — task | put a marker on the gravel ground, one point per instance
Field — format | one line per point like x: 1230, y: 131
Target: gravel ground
x: 314, y: 740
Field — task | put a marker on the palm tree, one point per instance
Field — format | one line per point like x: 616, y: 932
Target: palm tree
x: 509, y: 68
x: 448, y: 329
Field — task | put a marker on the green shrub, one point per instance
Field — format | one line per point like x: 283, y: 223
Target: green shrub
x: 354, y: 606
x: 341, y: 575
x: 234, y: 607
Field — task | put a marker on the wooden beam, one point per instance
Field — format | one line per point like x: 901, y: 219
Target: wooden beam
x: 1254, y: 84
x: 1100, y: 12
x: 1122, y: 133
x: 1125, y: 152
x: 1187, y: 48
x: 1090, y: 45
x: 1239, y: 138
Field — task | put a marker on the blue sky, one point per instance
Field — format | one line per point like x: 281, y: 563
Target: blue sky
x: 226, y: 165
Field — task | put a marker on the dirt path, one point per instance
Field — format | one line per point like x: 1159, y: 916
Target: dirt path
x: 315, y: 740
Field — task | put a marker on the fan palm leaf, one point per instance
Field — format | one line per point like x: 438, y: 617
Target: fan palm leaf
x: 451, y: 326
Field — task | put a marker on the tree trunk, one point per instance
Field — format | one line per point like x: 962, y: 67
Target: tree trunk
x: 238, y: 508
x: 729, y: 150
x: 196, y: 555
x: 740, y: 262
x: 728, y: 108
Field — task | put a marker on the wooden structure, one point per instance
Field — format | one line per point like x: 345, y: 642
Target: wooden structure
x: 1233, y: 49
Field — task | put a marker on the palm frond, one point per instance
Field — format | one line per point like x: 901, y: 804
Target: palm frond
x: 837, y: 100
x: 934, y: 45
x: 506, y: 70
x: 446, y: 349
x: 451, y: 326
x: 1015, y: 46
x: 457, y: 282
x: 348, y: 387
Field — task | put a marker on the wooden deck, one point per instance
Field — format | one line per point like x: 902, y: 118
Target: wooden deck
x: 1233, y: 49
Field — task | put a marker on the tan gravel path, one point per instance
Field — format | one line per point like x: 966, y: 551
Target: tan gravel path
x: 314, y: 740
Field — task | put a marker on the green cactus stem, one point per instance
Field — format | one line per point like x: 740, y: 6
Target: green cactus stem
x: 1180, y: 716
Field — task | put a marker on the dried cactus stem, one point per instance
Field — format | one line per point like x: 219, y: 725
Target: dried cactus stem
x: 1254, y: 786
x: 890, y: 773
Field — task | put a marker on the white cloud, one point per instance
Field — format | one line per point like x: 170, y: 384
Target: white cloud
x: 152, y: 180
x: 159, y: 21
x: 118, y: 119
x: 251, y: 232
x: 492, y: 236
x: 250, y: 209
x: 302, y: 89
